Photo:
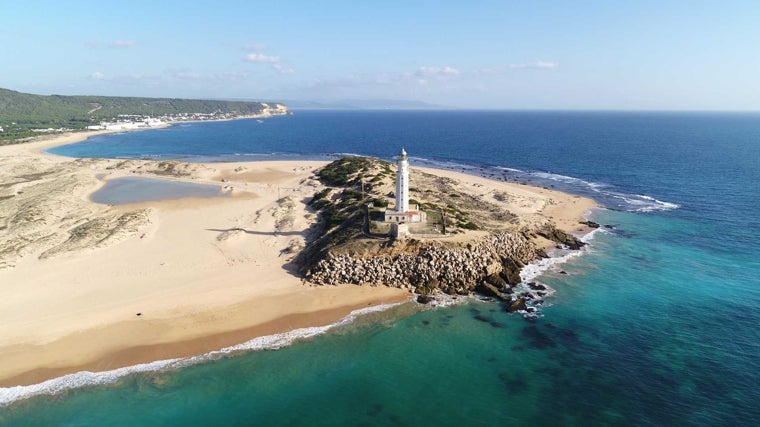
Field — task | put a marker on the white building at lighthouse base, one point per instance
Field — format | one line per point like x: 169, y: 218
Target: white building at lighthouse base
x: 415, y: 215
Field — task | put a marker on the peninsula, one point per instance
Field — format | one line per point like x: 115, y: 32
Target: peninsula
x: 25, y: 115
x: 458, y: 235
x: 87, y: 286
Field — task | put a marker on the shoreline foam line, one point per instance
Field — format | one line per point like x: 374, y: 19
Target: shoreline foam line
x: 535, y: 269
x: 599, y: 191
x: 10, y: 395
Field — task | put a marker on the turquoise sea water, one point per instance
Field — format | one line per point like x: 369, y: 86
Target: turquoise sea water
x: 656, y: 324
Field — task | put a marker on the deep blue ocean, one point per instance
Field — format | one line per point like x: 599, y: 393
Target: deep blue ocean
x: 656, y: 324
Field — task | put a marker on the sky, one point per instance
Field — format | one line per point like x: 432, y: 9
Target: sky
x: 584, y: 55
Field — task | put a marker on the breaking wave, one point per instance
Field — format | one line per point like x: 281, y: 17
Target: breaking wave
x: 603, y: 193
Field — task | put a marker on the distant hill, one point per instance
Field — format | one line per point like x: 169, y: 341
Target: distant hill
x: 30, y: 111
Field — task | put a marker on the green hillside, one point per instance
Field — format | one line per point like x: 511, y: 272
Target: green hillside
x: 30, y: 111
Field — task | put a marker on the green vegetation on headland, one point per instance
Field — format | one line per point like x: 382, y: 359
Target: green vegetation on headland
x: 341, y: 203
x: 22, y: 112
x: 358, y: 189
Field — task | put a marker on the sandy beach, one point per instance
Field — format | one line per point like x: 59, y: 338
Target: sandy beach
x: 86, y: 286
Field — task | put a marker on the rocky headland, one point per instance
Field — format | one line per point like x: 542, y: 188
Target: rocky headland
x: 484, y: 251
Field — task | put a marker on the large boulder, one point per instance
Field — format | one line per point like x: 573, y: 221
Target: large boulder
x: 425, y: 299
x: 488, y: 289
x: 517, y: 305
x: 554, y: 234
x: 498, y: 281
x: 510, y: 272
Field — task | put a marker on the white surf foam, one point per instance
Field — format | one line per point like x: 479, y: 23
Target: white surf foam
x: 53, y: 386
x: 443, y: 300
x: 658, y: 204
x: 531, y: 271
x: 588, y: 237
x: 535, y: 269
x: 558, y: 177
x: 504, y: 168
x: 80, y: 379
x: 632, y: 202
x: 643, y: 203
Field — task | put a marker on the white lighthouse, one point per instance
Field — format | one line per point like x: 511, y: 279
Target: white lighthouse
x: 402, y: 213
x: 402, y: 183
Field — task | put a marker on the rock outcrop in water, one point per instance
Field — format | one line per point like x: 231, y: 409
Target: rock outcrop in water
x: 554, y: 234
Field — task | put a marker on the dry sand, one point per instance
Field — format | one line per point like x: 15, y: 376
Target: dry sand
x: 202, y: 273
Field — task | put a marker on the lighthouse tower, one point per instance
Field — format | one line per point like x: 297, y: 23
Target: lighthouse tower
x: 402, y: 213
x: 402, y: 183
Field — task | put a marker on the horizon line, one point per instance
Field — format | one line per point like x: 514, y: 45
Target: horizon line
x: 433, y: 107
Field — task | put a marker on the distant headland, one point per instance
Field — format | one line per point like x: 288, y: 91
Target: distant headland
x: 24, y: 115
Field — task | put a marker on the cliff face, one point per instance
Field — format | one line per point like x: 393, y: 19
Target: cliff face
x: 273, y: 109
x: 429, y: 266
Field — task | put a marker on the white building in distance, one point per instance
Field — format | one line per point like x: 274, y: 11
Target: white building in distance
x: 402, y: 213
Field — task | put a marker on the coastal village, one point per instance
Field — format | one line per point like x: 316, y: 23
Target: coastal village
x: 138, y: 121
x: 146, y: 121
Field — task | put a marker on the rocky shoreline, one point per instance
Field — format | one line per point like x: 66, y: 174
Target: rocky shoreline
x: 489, y: 266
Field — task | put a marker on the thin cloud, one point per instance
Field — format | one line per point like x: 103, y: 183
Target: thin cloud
x: 425, y: 74
x: 122, y: 44
x: 538, y: 65
x: 282, y: 69
x: 130, y: 79
x: 262, y: 58
x: 272, y: 60
x: 439, y: 72
x: 422, y: 76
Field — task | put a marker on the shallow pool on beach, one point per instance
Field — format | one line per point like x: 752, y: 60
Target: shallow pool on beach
x: 121, y: 191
